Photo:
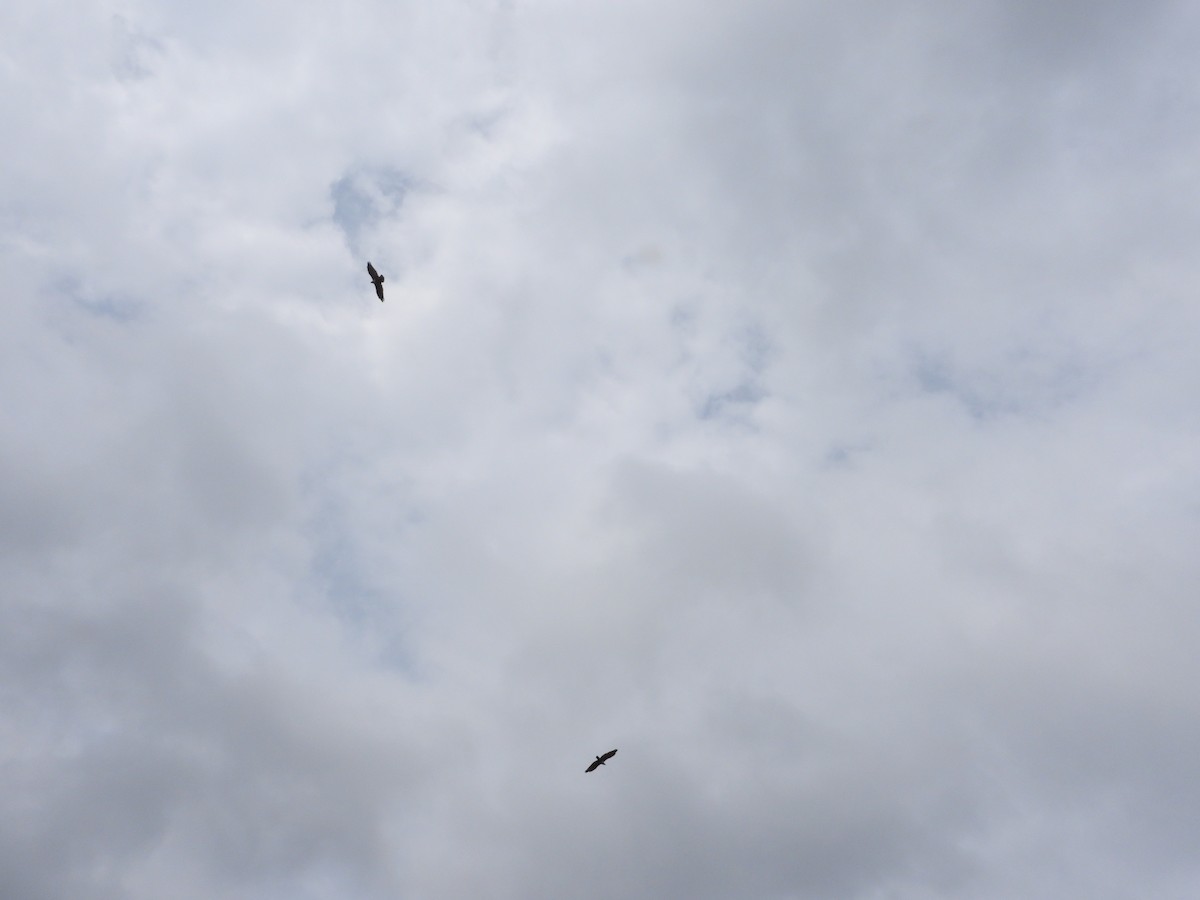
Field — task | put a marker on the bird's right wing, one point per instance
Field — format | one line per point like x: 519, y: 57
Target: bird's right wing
x: 371, y: 271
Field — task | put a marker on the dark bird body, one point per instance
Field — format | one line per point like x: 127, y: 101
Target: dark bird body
x: 377, y: 280
x: 601, y: 760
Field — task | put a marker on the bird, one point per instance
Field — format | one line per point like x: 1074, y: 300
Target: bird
x: 600, y: 760
x: 377, y: 280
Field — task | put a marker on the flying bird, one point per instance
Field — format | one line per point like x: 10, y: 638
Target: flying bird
x: 377, y: 280
x: 601, y: 760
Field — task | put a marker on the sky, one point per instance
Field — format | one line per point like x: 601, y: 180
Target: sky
x: 800, y: 397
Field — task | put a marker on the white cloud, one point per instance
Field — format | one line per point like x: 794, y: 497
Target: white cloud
x: 794, y: 397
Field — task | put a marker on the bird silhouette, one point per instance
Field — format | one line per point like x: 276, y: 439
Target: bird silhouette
x: 601, y: 760
x: 377, y: 280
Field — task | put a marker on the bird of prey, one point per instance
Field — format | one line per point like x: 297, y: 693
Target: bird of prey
x: 377, y: 280
x: 601, y: 760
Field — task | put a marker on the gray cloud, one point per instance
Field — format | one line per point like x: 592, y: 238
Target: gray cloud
x: 792, y: 397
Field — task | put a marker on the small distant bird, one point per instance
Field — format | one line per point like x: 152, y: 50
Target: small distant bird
x: 377, y: 280
x: 601, y: 760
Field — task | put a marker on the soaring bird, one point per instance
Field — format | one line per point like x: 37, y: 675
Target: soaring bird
x: 601, y: 760
x: 377, y: 280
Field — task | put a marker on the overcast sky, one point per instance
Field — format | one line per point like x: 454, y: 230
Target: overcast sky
x: 801, y: 397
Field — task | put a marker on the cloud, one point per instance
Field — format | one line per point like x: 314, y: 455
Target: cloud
x: 792, y: 397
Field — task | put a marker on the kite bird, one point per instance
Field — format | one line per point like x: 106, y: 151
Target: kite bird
x: 377, y: 280
x: 601, y: 760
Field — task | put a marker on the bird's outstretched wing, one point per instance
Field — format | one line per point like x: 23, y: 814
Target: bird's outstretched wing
x: 593, y: 766
x: 379, y: 291
x: 607, y: 756
x: 371, y: 271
